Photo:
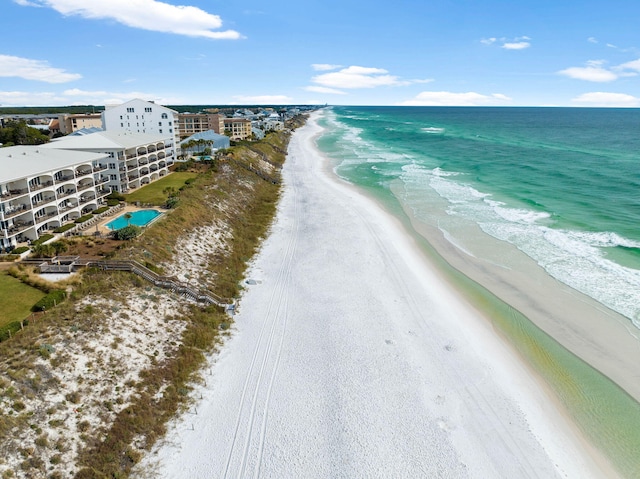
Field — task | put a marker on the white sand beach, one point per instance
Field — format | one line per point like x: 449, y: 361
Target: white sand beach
x: 351, y: 358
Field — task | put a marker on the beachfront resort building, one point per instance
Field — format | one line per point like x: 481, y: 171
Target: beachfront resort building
x: 44, y: 188
x: 139, y: 116
x: 134, y: 159
x: 238, y: 128
x: 192, y: 123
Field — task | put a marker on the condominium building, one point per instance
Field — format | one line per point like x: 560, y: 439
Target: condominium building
x: 192, y: 123
x: 238, y: 128
x: 41, y: 189
x: 139, y: 116
x: 134, y: 159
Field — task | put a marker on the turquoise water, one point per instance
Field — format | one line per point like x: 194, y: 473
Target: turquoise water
x: 138, y: 218
x: 560, y: 184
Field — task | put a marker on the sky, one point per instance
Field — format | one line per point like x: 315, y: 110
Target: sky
x: 346, y: 52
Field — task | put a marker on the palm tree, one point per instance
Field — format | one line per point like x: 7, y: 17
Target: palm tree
x: 128, y: 216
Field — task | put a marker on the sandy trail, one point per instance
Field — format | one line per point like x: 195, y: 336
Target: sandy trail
x: 351, y: 358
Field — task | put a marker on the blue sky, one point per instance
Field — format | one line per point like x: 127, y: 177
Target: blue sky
x: 350, y: 52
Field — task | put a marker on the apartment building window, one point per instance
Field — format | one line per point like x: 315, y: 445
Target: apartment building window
x: 170, y: 130
x: 160, y: 123
x: 121, y: 117
x: 130, y: 110
x: 169, y: 123
x: 112, y: 166
x: 164, y: 116
x: 113, y: 177
x: 159, y: 131
x: 148, y: 109
x: 121, y: 125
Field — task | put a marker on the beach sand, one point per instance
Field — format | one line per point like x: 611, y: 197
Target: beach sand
x: 352, y: 357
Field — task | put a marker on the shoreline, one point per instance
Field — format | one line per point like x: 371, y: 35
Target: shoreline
x: 298, y: 384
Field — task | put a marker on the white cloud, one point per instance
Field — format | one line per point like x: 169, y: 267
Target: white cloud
x: 263, y: 99
x: 516, y: 45
x: 38, y: 70
x: 592, y: 40
x: 632, y: 65
x: 321, y: 67
x: 594, y: 71
x: 144, y: 14
x: 446, y: 98
x: 605, y: 99
x: 324, y: 89
x: 76, y: 96
x: 358, y: 77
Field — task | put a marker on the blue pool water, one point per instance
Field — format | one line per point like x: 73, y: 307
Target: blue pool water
x: 138, y: 218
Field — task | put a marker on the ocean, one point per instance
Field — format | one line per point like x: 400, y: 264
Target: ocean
x: 560, y: 185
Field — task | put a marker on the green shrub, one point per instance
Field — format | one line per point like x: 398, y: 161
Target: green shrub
x: 63, y: 228
x: 42, y: 239
x: 52, y: 299
x: 84, y: 218
x: 115, y: 195
x: 127, y: 233
x: 20, y: 250
x: 9, y: 330
x: 9, y: 258
x: 113, y: 202
x: 102, y: 209
x: 171, y: 202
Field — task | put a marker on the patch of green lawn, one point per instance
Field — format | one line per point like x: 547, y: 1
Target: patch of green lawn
x: 16, y: 299
x: 154, y: 193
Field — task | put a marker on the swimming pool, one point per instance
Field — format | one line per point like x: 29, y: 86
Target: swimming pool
x: 138, y: 218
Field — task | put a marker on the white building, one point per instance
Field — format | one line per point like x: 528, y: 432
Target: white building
x: 42, y: 188
x: 139, y: 116
x: 134, y: 159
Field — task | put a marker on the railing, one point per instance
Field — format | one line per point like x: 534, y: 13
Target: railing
x: 62, y: 194
x: 62, y: 179
x: 103, y: 192
x: 46, y: 216
x: 18, y: 228
x: 14, y: 193
x: 100, y: 168
x: 83, y: 173
x: 43, y: 200
x: 15, y: 211
x: 164, y: 282
x: 84, y: 187
x: 36, y: 187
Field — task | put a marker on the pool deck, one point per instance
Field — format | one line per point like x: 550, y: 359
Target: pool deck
x: 102, y: 226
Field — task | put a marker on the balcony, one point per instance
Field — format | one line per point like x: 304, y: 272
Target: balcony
x: 43, y: 200
x: 84, y: 187
x: 46, y: 184
x: 45, y: 217
x: 131, y: 156
x: 19, y: 227
x: 11, y: 211
x: 66, y: 193
x: 100, y: 168
x: 103, y: 192
x: 80, y: 174
x: 86, y: 199
x: 62, y: 179
x: 133, y: 177
x: 143, y: 162
x: 103, y: 179
x: 15, y: 193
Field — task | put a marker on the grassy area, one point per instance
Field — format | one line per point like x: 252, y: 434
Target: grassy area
x: 156, y: 193
x: 16, y: 298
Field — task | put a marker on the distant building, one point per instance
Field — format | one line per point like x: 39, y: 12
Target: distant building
x: 139, y: 116
x: 191, y: 123
x: 43, y: 188
x: 238, y: 128
x: 257, y: 133
x: 71, y: 123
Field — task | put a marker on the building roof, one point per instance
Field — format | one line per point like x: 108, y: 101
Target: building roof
x: 107, y: 140
x: 18, y: 162
x: 86, y: 131
x: 136, y: 100
x: 206, y: 135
